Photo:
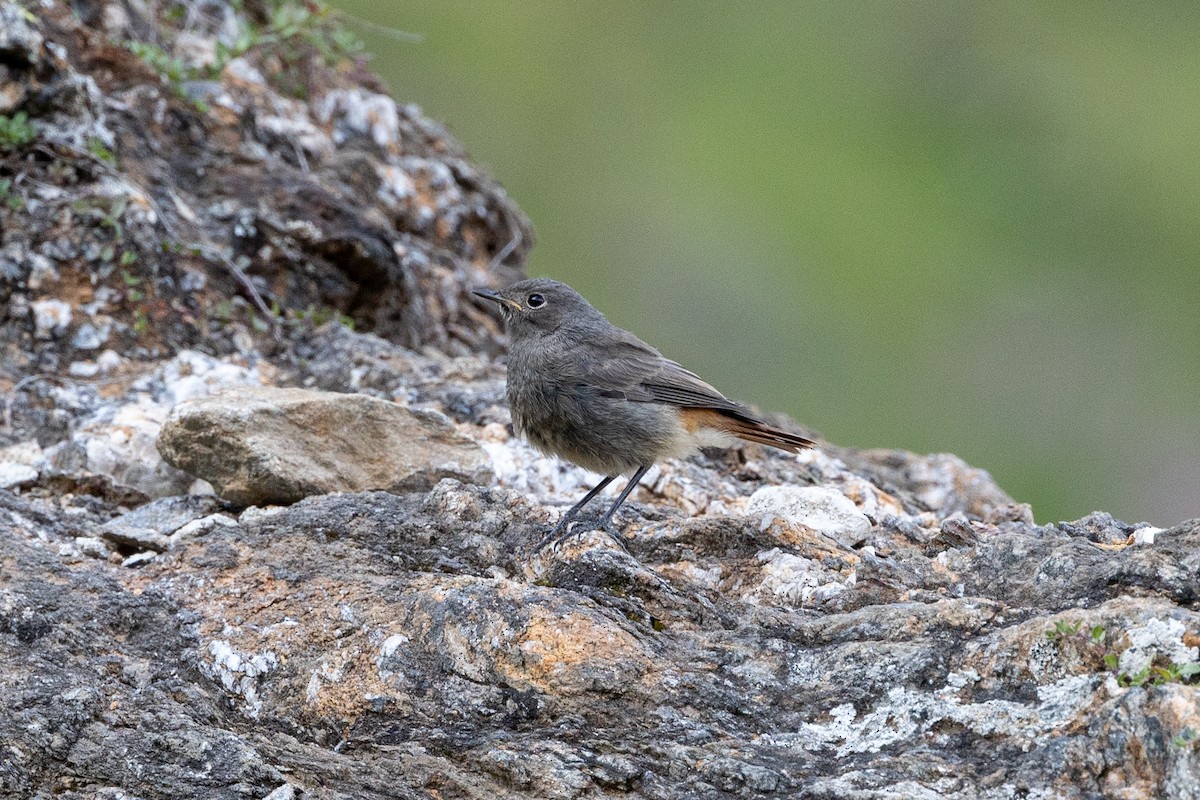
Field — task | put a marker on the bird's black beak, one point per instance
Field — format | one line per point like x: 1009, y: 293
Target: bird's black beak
x: 496, y: 297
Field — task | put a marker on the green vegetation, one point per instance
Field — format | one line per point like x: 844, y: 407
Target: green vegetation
x: 1096, y: 639
x: 1064, y: 630
x: 9, y: 197
x: 313, y: 24
x: 234, y: 308
x: 171, y: 70
x: 292, y: 33
x: 107, y: 211
x: 26, y: 14
x: 132, y: 282
x: 1154, y: 675
x: 16, y: 131
x: 318, y: 316
x: 100, y: 152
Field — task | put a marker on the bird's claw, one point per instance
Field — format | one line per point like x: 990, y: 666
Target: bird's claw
x: 568, y: 527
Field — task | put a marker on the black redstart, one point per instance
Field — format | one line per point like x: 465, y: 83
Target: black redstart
x: 583, y: 389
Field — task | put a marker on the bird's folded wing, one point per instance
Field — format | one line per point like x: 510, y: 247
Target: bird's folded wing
x: 632, y: 370
x: 627, y: 368
x: 674, y: 384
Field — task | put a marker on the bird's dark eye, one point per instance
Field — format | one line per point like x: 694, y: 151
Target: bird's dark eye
x: 535, y: 301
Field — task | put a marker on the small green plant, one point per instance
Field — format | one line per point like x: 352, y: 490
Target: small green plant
x: 171, y: 70
x: 1189, y: 671
x: 112, y: 219
x: 16, y: 131
x: 293, y: 32
x: 316, y: 25
x: 1062, y: 630
x: 1150, y: 675
x: 132, y: 282
x: 1066, y: 630
x: 141, y: 322
x: 1186, y: 738
x: 1176, y: 673
x: 246, y: 39
x: 319, y: 315
x: 108, y: 211
x: 178, y: 248
x: 298, y: 36
x: 1132, y: 679
x: 100, y: 152
x: 1155, y: 674
x: 9, y: 197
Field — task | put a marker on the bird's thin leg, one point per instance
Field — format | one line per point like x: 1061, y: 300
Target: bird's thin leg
x: 561, y: 528
x: 606, y: 520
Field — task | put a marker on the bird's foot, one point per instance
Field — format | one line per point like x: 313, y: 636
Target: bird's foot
x: 568, y: 527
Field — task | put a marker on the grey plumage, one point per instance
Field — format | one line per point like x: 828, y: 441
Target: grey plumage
x: 581, y: 388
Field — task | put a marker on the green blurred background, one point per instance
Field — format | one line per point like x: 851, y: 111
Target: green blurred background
x: 936, y: 226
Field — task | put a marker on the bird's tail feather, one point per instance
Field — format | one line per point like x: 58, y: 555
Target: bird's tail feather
x: 744, y: 426
x: 765, y: 434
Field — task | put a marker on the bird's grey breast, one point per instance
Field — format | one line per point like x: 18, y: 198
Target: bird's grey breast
x: 535, y: 382
x: 562, y: 401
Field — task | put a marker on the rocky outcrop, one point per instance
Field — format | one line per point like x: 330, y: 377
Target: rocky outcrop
x: 830, y: 624
x: 208, y: 176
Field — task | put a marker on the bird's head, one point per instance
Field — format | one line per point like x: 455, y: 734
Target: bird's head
x: 539, y: 306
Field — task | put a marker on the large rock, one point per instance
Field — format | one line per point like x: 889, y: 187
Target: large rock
x: 868, y: 625
x: 264, y: 445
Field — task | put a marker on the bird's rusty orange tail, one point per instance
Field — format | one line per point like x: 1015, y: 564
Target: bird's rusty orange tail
x: 745, y: 428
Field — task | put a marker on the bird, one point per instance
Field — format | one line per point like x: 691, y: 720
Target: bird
x: 583, y: 389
